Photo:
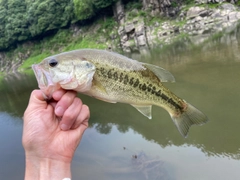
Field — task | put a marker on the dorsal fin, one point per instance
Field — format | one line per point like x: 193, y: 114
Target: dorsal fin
x: 162, y: 74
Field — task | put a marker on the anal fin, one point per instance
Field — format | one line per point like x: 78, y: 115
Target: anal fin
x: 146, y: 110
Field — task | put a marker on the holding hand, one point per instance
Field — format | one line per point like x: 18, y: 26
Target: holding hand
x: 52, y: 131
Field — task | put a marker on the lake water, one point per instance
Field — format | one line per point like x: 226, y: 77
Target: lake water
x: 122, y: 144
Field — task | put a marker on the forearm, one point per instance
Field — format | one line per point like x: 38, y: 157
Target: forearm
x: 46, y: 169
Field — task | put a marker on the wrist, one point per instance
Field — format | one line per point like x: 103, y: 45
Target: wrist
x: 46, y: 168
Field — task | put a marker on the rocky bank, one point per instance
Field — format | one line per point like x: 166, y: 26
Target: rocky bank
x: 154, y: 24
x: 198, y: 22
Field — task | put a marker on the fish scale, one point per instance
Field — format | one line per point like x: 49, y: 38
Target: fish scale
x: 142, y: 86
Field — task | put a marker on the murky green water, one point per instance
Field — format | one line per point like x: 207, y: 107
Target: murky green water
x: 123, y: 144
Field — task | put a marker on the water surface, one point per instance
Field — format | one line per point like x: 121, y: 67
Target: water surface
x: 122, y: 144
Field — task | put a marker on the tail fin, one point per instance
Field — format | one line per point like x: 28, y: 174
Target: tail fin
x: 191, y: 116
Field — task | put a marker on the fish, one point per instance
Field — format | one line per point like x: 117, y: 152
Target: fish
x: 112, y: 77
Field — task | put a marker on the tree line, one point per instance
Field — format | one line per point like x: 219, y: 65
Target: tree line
x: 21, y: 20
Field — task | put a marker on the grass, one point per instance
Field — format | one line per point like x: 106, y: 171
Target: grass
x: 209, y: 5
x: 64, y: 40
x: 60, y: 42
x: 32, y: 60
x: 84, y: 43
x: 36, y: 58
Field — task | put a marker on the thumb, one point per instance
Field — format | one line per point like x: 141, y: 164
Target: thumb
x: 37, y: 100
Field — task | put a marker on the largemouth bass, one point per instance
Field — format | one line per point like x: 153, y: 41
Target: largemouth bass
x: 115, y: 78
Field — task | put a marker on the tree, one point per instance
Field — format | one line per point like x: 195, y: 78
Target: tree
x: 100, y: 4
x: 21, y: 20
x: 16, y: 21
x: 48, y: 15
x: 3, y: 15
x: 83, y: 9
x: 13, y: 22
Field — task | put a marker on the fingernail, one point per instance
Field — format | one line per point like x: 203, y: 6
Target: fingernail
x: 59, y: 111
x: 64, y: 127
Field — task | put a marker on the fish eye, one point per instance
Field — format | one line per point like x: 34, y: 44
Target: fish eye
x: 53, y: 62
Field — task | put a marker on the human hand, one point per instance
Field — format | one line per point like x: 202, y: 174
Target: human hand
x: 52, y: 130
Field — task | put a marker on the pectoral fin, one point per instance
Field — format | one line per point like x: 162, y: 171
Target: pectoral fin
x: 145, y: 110
x: 97, y: 85
x: 101, y: 90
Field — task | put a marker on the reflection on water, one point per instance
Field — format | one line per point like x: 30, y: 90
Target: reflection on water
x: 12, y: 154
x: 207, y: 77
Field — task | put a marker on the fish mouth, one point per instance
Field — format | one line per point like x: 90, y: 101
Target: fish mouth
x: 44, y: 80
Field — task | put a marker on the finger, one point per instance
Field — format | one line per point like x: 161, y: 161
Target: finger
x: 65, y: 101
x: 57, y: 95
x: 36, y: 100
x: 71, y: 114
x: 36, y: 106
x: 83, y: 126
x: 82, y: 118
x: 82, y: 122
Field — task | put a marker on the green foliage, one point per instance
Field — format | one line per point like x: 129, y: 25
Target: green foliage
x: 60, y: 42
x: 143, y: 13
x: 100, y: 4
x: 13, y: 22
x: 33, y: 60
x: 212, y: 5
x: 48, y: 15
x: 135, y: 4
x: 16, y: 21
x: 3, y: 14
x: 84, y: 43
x: 83, y: 9
x: 109, y: 24
x: 21, y: 20
x: 189, y: 1
x: 174, y: 4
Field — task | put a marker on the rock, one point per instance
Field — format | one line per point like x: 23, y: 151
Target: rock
x: 161, y: 7
x: 204, y: 13
x: 228, y: 6
x: 129, y: 28
x: 140, y: 29
x: 232, y: 16
x: 121, y: 31
x: 207, y: 21
x: 118, y: 10
x: 201, y: 1
x: 124, y: 38
x: 141, y: 40
x: 194, y: 12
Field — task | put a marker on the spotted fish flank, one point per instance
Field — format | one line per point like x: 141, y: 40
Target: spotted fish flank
x: 115, y: 78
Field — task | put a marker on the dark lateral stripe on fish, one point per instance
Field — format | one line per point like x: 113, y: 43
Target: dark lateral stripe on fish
x: 112, y: 74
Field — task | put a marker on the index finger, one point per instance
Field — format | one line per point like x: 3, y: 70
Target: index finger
x: 64, y: 102
x: 57, y: 95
